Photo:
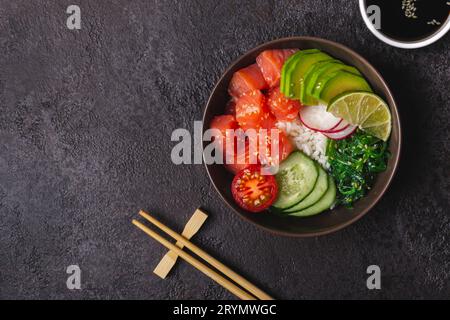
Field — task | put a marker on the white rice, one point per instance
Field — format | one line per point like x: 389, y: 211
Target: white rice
x: 312, y: 143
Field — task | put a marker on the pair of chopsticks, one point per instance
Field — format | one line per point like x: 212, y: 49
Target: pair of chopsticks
x: 252, y: 292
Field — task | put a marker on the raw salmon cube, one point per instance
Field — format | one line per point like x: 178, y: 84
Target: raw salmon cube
x: 271, y: 62
x: 250, y: 109
x: 246, y: 80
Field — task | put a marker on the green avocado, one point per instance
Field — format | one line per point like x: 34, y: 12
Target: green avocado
x: 310, y: 77
x: 343, y: 81
x: 297, y: 77
x: 326, y: 73
x: 289, y: 66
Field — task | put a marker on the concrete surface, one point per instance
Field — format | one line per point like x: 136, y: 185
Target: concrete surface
x: 85, y: 124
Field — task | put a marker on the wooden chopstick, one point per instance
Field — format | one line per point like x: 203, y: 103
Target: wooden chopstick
x: 211, y: 260
x: 196, y: 264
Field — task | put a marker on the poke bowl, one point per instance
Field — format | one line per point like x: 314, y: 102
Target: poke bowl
x: 339, y: 138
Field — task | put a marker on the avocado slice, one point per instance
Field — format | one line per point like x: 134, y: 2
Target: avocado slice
x: 289, y: 66
x: 298, y: 74
x: 326, y: 73
x: 343, y: 81
x: 286, y: 65
x: 317, y: 70
x: 306, y: 96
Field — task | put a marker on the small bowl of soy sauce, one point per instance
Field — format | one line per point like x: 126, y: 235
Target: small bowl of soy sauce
x: 407, y: 24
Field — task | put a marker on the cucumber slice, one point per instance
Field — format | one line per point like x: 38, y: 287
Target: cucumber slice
x: 296, y: 178
x: 319, y: 190
x: 326, y: 73
x: 341, y: 82
x: 289, y: 67
x: 323, y: 204
x: 298, y: 75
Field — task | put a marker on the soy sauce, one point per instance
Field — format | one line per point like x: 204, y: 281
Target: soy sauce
x: 409, y: 20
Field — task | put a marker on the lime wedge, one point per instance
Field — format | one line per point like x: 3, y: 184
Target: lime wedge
x: 364, y: 109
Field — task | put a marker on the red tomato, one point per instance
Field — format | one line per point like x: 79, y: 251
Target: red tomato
x: 246, y: 80
x: 282, y: 107
x: 271, y: 62
x: 253, y: 191
x: 250, y: 109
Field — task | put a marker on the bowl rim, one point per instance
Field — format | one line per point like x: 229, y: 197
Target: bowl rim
x: 393, y: 109
x: 442, y: 31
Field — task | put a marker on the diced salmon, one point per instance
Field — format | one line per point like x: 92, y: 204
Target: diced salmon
x: 268, y: 121
x: 230, y: 137
x: 271, y: 62
x: 224, y: 123
x: 230, y: 107
x: 250, y: 110
x: 241, y: 159
x: 246, y: 80
x: 282, y: 108
x: 267, y: 153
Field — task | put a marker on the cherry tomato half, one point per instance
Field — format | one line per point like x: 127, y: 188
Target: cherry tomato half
x: 253, y: 191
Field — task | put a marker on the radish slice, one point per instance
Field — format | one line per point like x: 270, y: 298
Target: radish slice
x: 341, y: 126
x: 318, y: 119
x: 342, y: 134
x: 338, y: 125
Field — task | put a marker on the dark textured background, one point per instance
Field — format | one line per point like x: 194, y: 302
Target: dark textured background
x: 85, y: 124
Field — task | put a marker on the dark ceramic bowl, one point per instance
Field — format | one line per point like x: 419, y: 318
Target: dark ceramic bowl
x: 331, y: 220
